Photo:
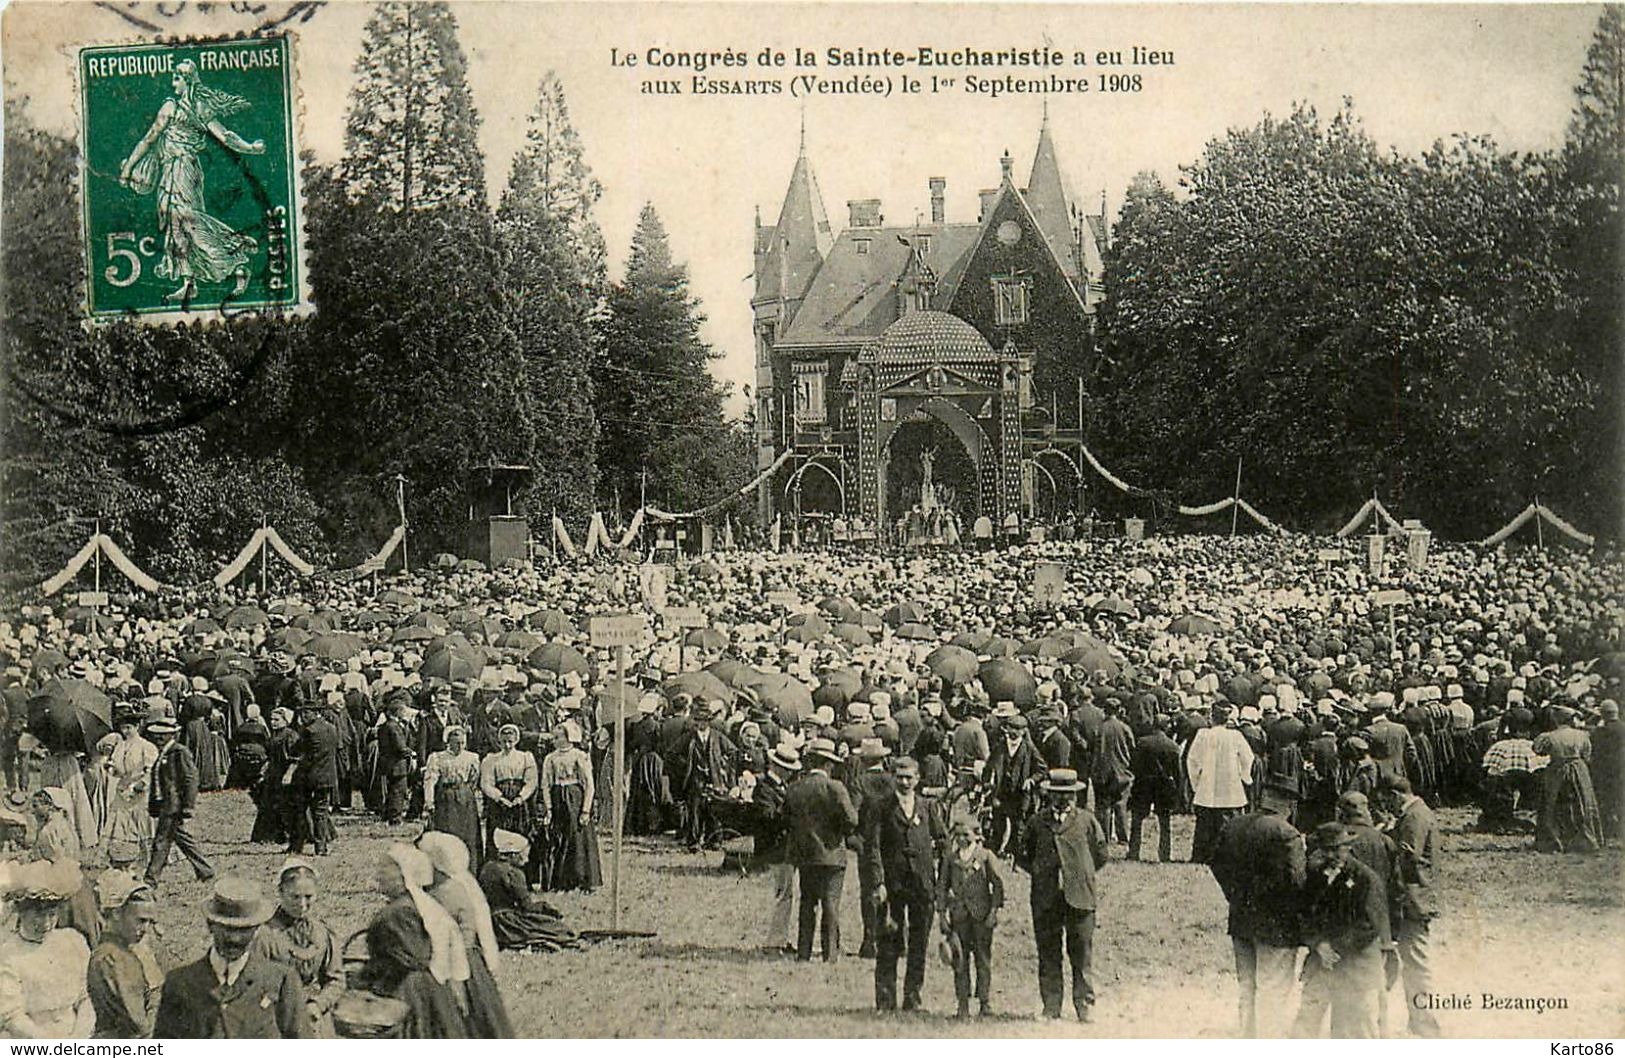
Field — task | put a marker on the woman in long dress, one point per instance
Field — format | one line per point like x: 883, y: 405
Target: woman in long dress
x: 415, y: 952
x: 249, y: 748
x: 567, y: 785
x: 295, y: 937
x: 197, y: 247
x: 42, y: 966
x: 519, y: 918
x: 129, y: 771
x: 457, y: 891
x: 451, y: 784
x: 508, y: 779
x: 273, y: 822
x: 61, y: 769
x: 213, y: 760
x: 1569, y: 819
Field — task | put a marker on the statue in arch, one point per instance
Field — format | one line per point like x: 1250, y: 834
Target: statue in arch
x: 928, y: 498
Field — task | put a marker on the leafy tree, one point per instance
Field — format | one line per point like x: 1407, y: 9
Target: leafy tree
x: 554, y: 262
x: 659, y: 407
x: 411, y: 136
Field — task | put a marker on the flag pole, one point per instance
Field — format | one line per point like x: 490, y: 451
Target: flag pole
x: 1235, y: 498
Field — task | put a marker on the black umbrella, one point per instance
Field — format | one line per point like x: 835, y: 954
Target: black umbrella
x: 70, y: 716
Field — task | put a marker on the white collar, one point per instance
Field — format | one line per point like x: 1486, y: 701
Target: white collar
x: 227, y: 972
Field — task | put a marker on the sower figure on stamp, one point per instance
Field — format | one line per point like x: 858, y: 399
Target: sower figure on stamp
x: 901, y: 836
x: 1062, y: 848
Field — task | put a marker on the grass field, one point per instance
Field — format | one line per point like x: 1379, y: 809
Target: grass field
x: 1517, y: 924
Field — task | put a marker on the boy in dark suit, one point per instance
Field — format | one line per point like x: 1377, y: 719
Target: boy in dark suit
x: 969, y: 895
x: 233, y: 992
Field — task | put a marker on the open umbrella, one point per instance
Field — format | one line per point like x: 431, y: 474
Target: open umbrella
x: 733, y: 672
x: 311, y: 622
x: 246, y: 617
x: 1092, y: 658
x: 839, y: 608
x: 853, y: 635
x: 972, y: 641
x: 810, y: 621
x: 955, y: 664
x: 1193, y: 625
x: 834, y: 695
x: 200, y: 626
x: 701, y: 685
x: 804, y: 634
x: 916, y: 630
x: 471, y: 565
x: 288, y: 607
x: 395, y: 599
x: 1111, y: 604
x: 413, y: 634
x: 451, y: 665
x: 289, y: 638
x: 456, y: 641
x: 903, y: 613
x: 706, y: 639
x: 787, y: 696
x: 367, y: 618
x: 705, y: 570
x: 552, y: 623
x: 335, y: 646
x: 519, y: 640
x: 1044, y: 647
x: 445, y: 560
x: 999, y: 647
x: 487, y: 628
x: 221, y: 662
x: 70, y: 716
x: 49, y: 660
x: 463, y: 615
x: 430, y: 620
x: 1007, y: 679
x: 607, y: 696
x: 557, y: 657
x: 869, y: 621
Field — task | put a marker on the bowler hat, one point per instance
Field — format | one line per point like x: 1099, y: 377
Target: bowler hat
x: 1332, y: 835
x: 1062, y: 780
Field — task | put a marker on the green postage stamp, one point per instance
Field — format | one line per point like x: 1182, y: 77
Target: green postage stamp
x: 189, y: 179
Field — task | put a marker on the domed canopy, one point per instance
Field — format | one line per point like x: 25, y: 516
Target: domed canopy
x: 929, y: 334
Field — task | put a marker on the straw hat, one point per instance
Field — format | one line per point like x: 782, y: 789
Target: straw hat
x: 238, y: 903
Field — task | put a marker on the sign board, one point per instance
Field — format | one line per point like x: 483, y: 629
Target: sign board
x: 617, y: 630
x: 785, y: 599
x: 1391, y: 597
x: 1049, y: 583
x: 685, y: 616
x: 1329, y: 555
x: 1411, y: 524
x: 1134, y: 528
x: 93, y: 598
x: 1375, y: 544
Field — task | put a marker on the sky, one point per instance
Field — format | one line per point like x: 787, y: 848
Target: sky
x: 1414, y: 73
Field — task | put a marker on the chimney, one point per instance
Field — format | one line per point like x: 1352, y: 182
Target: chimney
x: 863, y: 213
x: 939, y: 211
x: 1006, y: 165
x: 989, y: 197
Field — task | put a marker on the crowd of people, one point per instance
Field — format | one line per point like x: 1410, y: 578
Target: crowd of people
x: 947, y: 715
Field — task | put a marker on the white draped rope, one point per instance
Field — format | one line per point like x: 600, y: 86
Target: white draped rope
x: 562, y: 535
x: 120, y: 561
x: 1537, y: 510
x: 633, y: 528
x: 667, y: 516
x: 597, y: 535
x: 1370, y: 507
x: 1191, y: 512
x: 378, y: 560
x: 263, y: 536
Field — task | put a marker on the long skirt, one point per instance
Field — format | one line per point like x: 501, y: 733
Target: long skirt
x: 644, y: 810
x: 513, y: 818
x: 487, y: 1013
x: 271, y: 821
x: 574, y: 847
x: 213, y: 762
x: 456, y: 812
x: 531, y: 928
x: 1569, y: 819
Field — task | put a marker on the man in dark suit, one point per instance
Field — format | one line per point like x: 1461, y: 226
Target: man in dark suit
x: 871, y: 783
x: 1259, y: 865
x: 317, y: 781
x: 1014, y: 769
x: 1113, y: 775
x: 1156, y: 788
x: 1062, y: 848
x: 395, y: 759
x: 819, y: 815
x: 901, y: 839
x: 233, y: 992
x: 1416, y: 836
x: 1345, y: 926
x: 171, y: 800
x: 1053, y: 745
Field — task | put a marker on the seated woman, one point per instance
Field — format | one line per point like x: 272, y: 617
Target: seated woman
x: 297, y: 938
x: 455, y: 889
x: 519, y: 918
x: 415, y: 952
x: 43, y: 967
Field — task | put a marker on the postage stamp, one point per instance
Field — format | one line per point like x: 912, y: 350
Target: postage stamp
x: 189, y: 179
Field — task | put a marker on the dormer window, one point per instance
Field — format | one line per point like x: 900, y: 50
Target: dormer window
x: 924, y: 243
x: 1010, y: 301
x: 863, y: 246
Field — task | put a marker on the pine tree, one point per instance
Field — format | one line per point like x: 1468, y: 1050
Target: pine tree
x: 554, y: 261
x: 659, y: 408
x: 411, y: 137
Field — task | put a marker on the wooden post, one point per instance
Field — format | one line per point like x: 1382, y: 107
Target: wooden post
x: 1540, y: 530
x: 265, y: 587
x: 620, y: 781
x: 1235, y: 498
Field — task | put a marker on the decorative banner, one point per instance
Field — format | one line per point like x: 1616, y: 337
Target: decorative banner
x: 121, y: 562
x: 1371, y: 506
x: 377, y: 562
x: 667, y: 516
x: 1416, y: 548
x: 1536, y: 510
x: 1375, y: 544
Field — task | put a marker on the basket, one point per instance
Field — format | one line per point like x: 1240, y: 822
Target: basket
x: 363, y: 1015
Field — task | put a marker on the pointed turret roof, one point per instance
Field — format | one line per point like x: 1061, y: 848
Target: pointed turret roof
x: 1050, y: 200
x: 801, y: 238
